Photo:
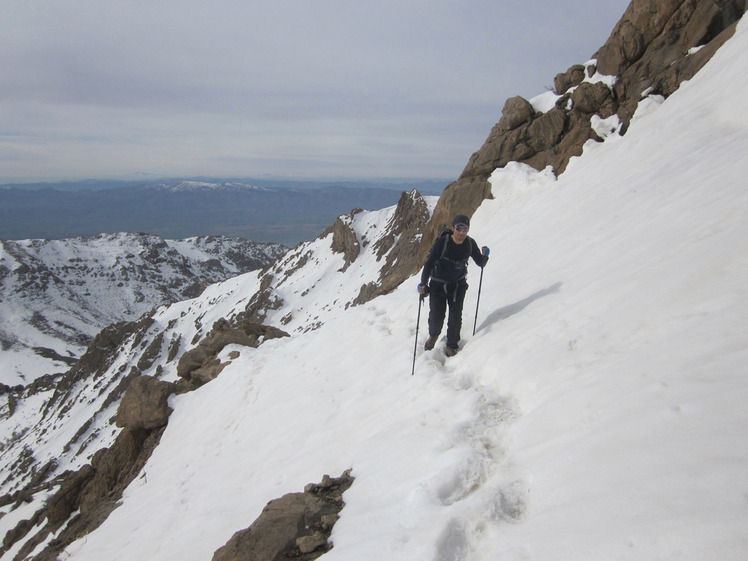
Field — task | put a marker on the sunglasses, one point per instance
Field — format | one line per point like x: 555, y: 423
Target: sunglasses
x: 461, y: 228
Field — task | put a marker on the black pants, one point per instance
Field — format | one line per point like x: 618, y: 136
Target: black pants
x: 441, y: 296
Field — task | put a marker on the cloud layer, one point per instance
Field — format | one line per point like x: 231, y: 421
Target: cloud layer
x: 328, y: 88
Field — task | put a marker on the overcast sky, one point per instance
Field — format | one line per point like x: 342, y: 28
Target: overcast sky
x: 288, y: 88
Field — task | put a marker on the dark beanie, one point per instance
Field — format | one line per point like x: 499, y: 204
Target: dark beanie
x: 461, y: 219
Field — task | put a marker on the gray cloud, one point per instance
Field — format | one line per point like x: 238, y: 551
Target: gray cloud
x: 335, y: 88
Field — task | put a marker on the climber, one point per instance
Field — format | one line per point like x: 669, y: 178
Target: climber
x: 446, y: 267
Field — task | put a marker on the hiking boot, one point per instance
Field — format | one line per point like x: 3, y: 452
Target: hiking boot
x: 430, y: 343
x: 452, y: 351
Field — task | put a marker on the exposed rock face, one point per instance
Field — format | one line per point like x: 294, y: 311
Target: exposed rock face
x: 94, y: 491
x: 404, y: 232
x: 400, y: 245
x: 517, y: 111
x: 649, y: 47
x: 201, y: 365
x: 101, y: 351
x: 83, y: 499
x: 395, y: 246
x: 62, y: 395
x: 650, y: 50
x: 344, y: 239
x: 265, y: 299
x: 569, y: 79
x: 144, y: 405
x: 296, y: 526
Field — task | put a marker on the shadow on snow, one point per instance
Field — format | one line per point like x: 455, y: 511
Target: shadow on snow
x: 517, y: 307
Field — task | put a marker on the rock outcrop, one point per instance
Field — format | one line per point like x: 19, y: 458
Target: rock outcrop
x: 201, y: 364
x: 85, y: 497
x: 295, y: 526
x: 400, y: 245
x: 655, y: 46
x: 145, y: 404
x: 344, y: 239
x: 395, y: 247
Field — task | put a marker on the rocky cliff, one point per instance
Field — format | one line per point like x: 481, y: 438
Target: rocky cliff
x: 655, y: 46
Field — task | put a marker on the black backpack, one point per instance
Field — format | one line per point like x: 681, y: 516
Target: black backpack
x: 461, y: 264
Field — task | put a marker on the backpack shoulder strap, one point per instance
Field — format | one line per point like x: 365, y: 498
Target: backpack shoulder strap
x: 446, y: 235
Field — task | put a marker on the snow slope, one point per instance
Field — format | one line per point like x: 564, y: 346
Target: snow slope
x: 597, y: 413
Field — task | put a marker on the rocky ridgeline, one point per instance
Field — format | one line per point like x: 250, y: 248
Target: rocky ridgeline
x: 85, y: 497
x: 655, y: 46
x: 394, y: 249
x: 298, y: 524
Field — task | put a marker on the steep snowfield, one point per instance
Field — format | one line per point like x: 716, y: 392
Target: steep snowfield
x: 598, y: 412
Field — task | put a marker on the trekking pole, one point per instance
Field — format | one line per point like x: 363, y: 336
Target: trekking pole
x: 480, y: 284
x: 418, y: 323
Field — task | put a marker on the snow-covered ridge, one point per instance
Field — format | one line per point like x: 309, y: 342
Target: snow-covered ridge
x: 57, y: 294
x: 312, y: 284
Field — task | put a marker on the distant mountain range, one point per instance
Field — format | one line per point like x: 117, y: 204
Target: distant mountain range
x: 259, y: 210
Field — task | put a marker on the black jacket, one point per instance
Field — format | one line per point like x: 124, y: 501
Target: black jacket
x: 448, y: 263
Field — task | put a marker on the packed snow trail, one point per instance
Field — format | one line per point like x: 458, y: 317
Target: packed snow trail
x: 254, y: 407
